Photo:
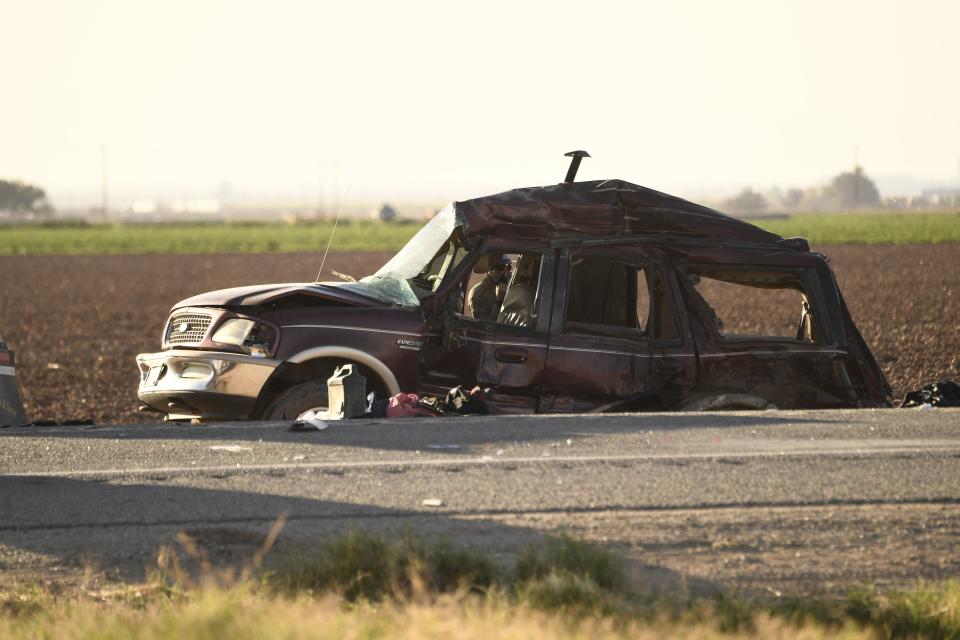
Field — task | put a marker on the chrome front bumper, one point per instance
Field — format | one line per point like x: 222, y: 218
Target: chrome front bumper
x: 202, y: 384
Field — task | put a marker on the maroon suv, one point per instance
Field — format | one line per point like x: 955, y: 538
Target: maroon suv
x: 596, y: 296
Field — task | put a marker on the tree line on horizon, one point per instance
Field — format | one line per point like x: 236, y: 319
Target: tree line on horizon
x: 22, y: 200
x: 849, y: 190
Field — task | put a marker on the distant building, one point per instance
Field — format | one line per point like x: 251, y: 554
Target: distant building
x: 196, y: 205
x: 144, y: 207
x: 385, y: 213
x: 941, y: 197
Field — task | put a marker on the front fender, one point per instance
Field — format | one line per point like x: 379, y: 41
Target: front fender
x: 353, y: 355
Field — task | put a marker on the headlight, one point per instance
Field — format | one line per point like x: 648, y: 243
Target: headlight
x: 257, y: 338
x: 234, y: 331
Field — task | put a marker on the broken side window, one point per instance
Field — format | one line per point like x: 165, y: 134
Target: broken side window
x: 418, y: 269
x: 445, y: 261
x: 755, y: 303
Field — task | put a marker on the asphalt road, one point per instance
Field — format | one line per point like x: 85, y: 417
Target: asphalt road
x: 784, y: 502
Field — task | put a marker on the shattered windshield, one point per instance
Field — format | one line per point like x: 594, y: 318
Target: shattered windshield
x: 417, y: 269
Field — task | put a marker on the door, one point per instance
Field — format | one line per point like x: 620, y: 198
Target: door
x: 673, y: 363
x: 488, y: 326
x: 764, y: 336
x: 599, y: 353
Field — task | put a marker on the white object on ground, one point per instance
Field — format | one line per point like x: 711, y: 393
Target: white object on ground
x: 312, y: 421
x: 313, y: 414
x: 231, y: 448
x: 432, y: 502
x: 310, y: 425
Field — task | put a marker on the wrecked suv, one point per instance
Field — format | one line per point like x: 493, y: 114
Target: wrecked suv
x: 620, y: 298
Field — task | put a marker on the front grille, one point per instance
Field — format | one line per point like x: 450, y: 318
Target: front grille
x: 185, y: 328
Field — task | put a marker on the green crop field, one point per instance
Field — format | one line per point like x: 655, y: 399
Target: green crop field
x: 201, y: 238
x: 867, y: 228
x: 40, y: 239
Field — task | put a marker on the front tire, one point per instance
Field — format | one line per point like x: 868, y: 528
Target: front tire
x: 297, y: 400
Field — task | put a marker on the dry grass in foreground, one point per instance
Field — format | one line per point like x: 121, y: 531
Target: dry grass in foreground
x: 362, y: 586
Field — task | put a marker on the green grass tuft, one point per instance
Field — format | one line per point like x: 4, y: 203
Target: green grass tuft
x: 359, y: 566
x: 572, y: 593
x: 562, y: 555
x: 930, y: 611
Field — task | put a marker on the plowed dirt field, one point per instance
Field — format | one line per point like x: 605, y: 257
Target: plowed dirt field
x: 77, y: 322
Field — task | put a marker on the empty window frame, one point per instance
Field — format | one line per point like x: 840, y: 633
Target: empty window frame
x: 745, y: 303
x: 606, y: 296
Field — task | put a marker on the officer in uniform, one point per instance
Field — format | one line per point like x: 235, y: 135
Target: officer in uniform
x: 486, y: 296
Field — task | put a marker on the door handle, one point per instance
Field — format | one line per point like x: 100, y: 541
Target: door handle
x: 669, y: 368
x: 510, y: 354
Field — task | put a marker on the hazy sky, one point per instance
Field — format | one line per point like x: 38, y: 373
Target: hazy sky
x: 455, y: 99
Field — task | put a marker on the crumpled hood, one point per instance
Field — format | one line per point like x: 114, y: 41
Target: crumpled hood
x: 254, y: 295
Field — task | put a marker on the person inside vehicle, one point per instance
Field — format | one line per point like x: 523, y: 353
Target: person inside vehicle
x: 517, y: 308
x: 486, y: 296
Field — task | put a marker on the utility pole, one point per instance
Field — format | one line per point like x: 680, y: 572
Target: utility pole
x: 336, y: 204
x: 103, y: 176
x: 321, y: 197
x: 856, y: 177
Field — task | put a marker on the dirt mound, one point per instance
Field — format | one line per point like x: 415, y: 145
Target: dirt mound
x: 77, y: 322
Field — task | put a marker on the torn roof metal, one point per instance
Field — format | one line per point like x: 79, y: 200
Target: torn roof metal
x: 601, y: 208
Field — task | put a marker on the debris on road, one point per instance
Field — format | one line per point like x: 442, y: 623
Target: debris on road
x: 310, y: 421
x: 230, y: 448
x: 945, y: 393
x: 346, y: 393
x: 458, y: 402
x: 432, y: 502
x: 308, y: 425
x: 405, y: 405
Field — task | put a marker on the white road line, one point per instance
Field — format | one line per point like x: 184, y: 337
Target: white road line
x: 952, y: 449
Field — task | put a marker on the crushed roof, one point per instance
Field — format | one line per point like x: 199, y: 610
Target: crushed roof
x: 601, y: 208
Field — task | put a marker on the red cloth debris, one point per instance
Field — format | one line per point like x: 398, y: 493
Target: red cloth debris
x: 405, y: 405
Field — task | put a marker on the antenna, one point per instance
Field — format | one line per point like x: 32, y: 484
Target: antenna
x: 335, y: 223
x: 576, y: 157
